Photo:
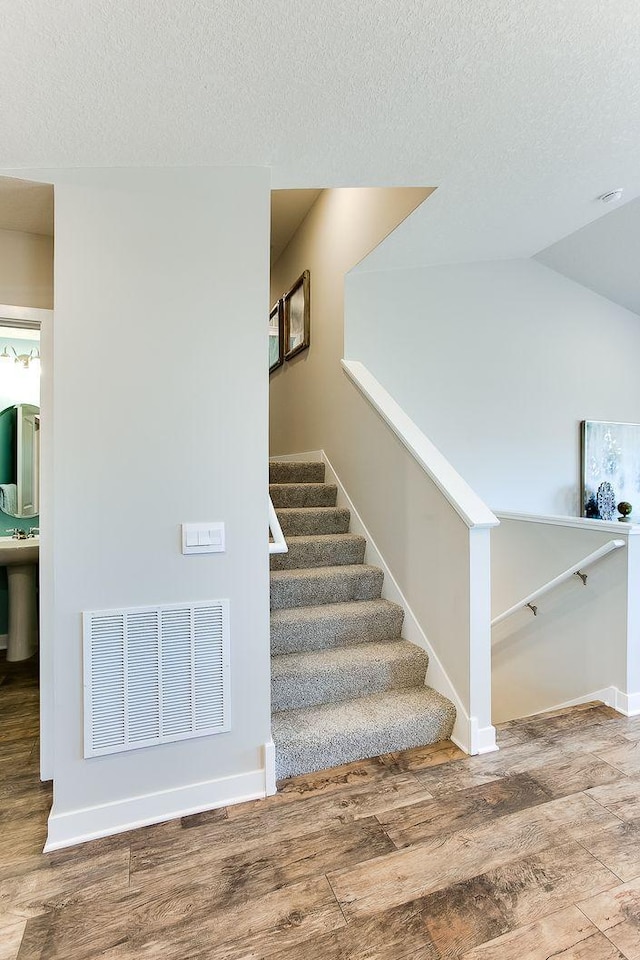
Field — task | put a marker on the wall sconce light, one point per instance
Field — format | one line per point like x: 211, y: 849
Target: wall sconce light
x: 26, y: 359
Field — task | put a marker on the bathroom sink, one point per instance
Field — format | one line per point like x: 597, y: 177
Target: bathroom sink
x: 18, y: 551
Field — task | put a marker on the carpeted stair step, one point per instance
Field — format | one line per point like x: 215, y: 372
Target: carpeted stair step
x: 303, y: 494
x: 323, y: 627
x: 304, y: 588
x: 316, y: 738
x: 326, y: 676
x: 313, y: 521
x: 334, y: 550
x: 296, y: 471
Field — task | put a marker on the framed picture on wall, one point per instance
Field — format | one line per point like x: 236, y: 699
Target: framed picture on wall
x: 276, y: 337
x: 610, y: 474
x: 297, y: 317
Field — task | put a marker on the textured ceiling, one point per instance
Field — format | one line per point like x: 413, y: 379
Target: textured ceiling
x: 522, y: 113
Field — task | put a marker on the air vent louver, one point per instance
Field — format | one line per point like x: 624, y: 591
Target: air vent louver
x: 155, y: 674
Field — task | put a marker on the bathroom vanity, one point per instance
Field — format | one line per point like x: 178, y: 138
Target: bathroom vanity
x: 21, y: 560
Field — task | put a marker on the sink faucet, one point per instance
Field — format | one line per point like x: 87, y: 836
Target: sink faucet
x: 34, y: 531
x: 18, y: 534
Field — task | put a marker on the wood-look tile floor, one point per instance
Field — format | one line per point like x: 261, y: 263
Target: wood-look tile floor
x: 529, y: 853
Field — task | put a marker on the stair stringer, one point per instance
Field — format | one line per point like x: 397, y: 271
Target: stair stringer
x: 466, y: 733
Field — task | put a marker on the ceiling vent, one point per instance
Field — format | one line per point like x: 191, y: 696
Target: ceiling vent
x: 155, y: 675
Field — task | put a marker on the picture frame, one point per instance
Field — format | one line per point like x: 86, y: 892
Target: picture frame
x: 297, y: 317
x: 609, y: 468
x: 276, y: 336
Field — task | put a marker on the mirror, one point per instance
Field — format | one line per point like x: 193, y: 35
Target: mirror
x: 20, y: 460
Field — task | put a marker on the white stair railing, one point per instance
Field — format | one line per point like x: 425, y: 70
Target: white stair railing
x: 575, y: 570
x: 277, y: 543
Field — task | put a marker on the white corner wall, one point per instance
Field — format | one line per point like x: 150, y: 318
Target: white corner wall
x: 497, y: 362
x: 160, y: 416
x: 583, y: 643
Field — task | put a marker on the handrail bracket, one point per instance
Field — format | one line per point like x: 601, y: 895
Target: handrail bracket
x: 575, y: 570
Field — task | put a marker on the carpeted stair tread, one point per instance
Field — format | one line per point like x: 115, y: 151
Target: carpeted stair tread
x: 319, y: 737
x: 325, y: 626
x: 330, y: 550
x: 313, y: 521
x: 296, y: 471
x: 304, y: 588
x: 325, y: 676
x: 303, y: 494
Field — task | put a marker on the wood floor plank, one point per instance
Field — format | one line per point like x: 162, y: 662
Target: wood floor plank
x: 272, y: 865
x: 618, y: 848
x: 617, y: 913
x: 440, y: 862
x: 398, y: 934
x: 625, y: 758
x: 441, y: 781
x: 466, y: 809
x: 563, y: 719
x: 10, y: 938
x: 509, y: 897
x: 185, y: 923
x: 622, y: 798
x: 42, y: 883
x: 574, y: 774
x: 321, y: 783
x: 421, y: 758
x: 566, y: 935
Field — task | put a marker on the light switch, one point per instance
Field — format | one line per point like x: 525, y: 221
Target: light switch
x: 203, y: 537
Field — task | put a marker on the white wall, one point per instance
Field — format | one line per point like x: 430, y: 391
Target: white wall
x: 498, y: 362
x: 160, y: 416
x: 583, y: 640
x: 603, y: 256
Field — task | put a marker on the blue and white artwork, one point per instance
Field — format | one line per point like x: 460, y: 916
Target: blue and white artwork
x: 610, y: 455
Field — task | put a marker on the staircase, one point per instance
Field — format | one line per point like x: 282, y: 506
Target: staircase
x: 344, y: 684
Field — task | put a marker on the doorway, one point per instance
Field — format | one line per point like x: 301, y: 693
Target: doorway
x: 26, y: 301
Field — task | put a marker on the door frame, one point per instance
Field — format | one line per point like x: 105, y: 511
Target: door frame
x: 45, y: 319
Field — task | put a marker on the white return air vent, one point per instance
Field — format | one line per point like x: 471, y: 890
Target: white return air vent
x: 154, y: 675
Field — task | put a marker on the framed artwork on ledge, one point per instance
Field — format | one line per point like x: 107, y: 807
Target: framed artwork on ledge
x: 276, y: 337
x: 610, y: 470
x: 297, y: 317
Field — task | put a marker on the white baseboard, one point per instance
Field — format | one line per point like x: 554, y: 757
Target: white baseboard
x: 4, y: 640
x: 103, y: 820
x: 466, y: 734
x: 477, y: 740
x: 310, y: 455
x: 627, y: 704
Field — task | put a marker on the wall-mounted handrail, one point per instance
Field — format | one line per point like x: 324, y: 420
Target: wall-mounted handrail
x: 577, y: 568
x: 277, y: 544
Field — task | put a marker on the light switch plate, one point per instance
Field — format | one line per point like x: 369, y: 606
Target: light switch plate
x: 203, y: 537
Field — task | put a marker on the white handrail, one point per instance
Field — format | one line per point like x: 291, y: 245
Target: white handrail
x: 457, y: 491
x: 278, y: 544
x: 607, y: 548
